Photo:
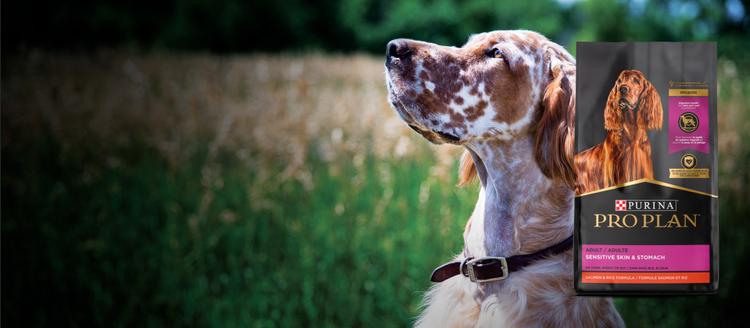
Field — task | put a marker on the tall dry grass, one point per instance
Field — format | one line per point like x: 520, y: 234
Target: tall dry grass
x: 277, y: 106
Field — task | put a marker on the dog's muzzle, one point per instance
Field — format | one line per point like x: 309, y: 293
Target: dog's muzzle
x: 624, y: 104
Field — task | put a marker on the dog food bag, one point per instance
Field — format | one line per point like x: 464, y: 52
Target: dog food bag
x: 646, y: 206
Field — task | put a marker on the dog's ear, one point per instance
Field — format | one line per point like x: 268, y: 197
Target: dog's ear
x: 553, y: 146
x: 612, y: 111
x: 651, y: 115
x: 467, y: 172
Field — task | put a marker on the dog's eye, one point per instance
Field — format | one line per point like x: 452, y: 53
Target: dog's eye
x: 494, y: 53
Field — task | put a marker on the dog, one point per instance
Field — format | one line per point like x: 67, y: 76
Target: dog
x: 508, y: 97
x: 633, y: 107
x: 688, y: 122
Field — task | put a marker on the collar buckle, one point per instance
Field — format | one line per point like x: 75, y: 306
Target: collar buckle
x: 472, y: 264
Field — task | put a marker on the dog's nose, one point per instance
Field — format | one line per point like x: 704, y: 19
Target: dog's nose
x: 398, y: 48
x: 624, y: 90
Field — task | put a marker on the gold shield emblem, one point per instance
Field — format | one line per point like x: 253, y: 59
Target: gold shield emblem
x: 688, y: 161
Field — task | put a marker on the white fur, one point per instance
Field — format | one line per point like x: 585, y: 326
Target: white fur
x: 430, y: 86
x: 517, y: 301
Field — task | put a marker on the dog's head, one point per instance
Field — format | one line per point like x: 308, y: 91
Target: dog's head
x: 633, y: 100
x: 500, y: 85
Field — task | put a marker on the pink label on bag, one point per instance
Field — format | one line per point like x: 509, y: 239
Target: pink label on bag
x: 599, y: 257
x: 688, y: 123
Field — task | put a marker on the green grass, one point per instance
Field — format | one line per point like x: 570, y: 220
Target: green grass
x: 134, y: 247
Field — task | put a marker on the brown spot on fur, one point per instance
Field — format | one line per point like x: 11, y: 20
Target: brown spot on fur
x: 511, y: 98
x: 455, y: 88
x: 474, y: 90
x: 531, y: 41
x: 456, y: 117
x: 429, y: 104
x: 476, y: 111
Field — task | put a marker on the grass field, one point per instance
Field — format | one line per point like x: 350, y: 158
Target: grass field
x: 261, y: 191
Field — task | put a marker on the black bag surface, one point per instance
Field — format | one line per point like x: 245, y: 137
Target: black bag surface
x: 646, y: 210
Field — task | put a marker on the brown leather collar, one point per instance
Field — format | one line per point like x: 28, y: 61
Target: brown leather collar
x: 487, y: 269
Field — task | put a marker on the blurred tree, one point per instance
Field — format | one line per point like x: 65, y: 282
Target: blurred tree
x: 355, y: 25
x: 667, y: 20
x: 450, y: 22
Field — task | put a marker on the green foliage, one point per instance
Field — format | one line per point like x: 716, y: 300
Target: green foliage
x: 355, y: 25
x: 662, y: 20
x: 449, y: 22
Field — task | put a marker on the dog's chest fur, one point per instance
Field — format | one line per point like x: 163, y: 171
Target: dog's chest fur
x: 538, y: 296
x: 511, y: 219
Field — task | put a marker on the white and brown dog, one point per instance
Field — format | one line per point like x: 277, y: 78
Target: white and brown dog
x: 508, y: 97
